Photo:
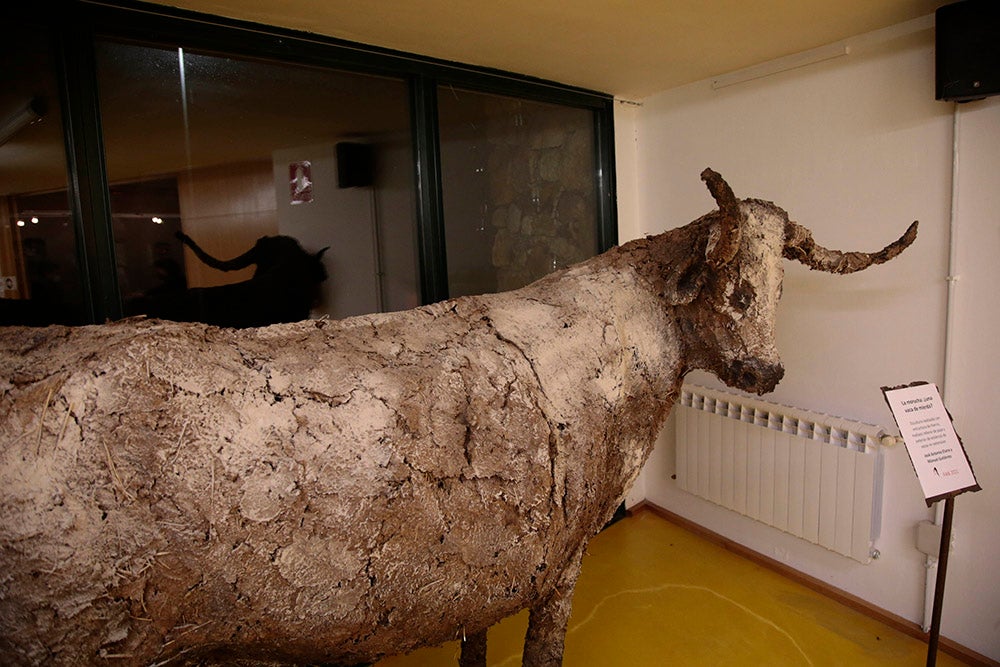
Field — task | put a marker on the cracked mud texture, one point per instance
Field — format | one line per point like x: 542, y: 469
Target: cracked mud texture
x: 331, y: 491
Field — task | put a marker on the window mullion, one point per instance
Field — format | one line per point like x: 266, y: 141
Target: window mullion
x: 607, y: 203
x: 430, y: 207
x: 88, y: 182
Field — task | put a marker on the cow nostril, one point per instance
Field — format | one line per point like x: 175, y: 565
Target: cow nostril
x: 748, y: 379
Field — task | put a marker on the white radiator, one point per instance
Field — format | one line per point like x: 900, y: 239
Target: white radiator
x: 812, y: 475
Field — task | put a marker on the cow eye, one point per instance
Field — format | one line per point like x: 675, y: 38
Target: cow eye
x: 742, y: 297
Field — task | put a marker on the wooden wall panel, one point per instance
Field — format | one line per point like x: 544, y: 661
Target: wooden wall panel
x: 225, y: 209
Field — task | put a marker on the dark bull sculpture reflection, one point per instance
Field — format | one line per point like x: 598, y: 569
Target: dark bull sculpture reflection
x: 333, y: 492
x: 284, y: 287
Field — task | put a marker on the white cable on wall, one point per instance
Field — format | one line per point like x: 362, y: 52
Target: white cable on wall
x: 931, y: 562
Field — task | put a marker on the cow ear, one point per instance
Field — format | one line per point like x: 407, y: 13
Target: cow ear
x: 319, y: 255
x: 690, y: 280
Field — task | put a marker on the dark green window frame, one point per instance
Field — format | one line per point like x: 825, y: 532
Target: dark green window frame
x: 77, y: 23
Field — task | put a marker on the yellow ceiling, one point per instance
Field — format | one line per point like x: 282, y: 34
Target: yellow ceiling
x: 629, y: 48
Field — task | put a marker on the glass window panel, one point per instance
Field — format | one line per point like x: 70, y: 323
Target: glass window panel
x: 40, y: 280
x: 233, y: 152
x: 519, y: 189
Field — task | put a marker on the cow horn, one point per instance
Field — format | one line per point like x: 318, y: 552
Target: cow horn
x: 799, y: 245
x: 241, y: 262
x: 724, y: 241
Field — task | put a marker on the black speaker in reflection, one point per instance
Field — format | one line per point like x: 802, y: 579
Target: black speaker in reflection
x: 968, y: 50
x: 355, y: 165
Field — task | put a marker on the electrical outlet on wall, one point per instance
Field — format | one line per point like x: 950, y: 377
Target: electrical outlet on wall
x: 8, y: 284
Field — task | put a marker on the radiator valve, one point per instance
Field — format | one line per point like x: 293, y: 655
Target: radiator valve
x: 888, y: 440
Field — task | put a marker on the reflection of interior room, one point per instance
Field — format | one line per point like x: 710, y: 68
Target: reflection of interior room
x: 231, y: 150
x: 35, y: 244
x: 827, y: 108
x: 38, y: 269
x: 189, y: 143
x: 187, y: 153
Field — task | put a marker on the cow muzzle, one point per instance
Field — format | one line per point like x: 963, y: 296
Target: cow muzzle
x: 755, y: 375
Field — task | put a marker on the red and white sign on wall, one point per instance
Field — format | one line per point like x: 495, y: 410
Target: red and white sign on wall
x: 300, y: 183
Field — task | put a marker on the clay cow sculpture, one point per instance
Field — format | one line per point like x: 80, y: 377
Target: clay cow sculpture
x: 333, y: 492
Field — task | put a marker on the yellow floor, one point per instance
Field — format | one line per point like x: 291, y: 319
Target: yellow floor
x: 654, y: 594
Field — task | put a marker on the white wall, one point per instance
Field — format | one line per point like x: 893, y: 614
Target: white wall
x: 395, y: 209
x: 972, y: 599
x: 855, y: 149
x: 628, y: 182
x: 339, y: 218
x: 345, y: 219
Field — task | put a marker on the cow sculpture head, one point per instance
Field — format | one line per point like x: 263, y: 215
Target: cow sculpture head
x: 269, y: 254
x: 729, y: 328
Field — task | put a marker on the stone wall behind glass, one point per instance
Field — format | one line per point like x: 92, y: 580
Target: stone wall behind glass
x: 539, y: 165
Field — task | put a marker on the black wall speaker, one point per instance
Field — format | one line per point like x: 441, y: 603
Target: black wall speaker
x: 355, y: 165
x: 968, y: 50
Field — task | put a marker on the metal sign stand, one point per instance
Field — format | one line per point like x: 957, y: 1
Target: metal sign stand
x: 942, y: 571
x: 942, y: 467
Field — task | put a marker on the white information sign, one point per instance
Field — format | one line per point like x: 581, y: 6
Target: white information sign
x: 935, y: 449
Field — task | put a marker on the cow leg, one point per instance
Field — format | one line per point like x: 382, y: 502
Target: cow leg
x: 547, y: 620
x: 474, y: 650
